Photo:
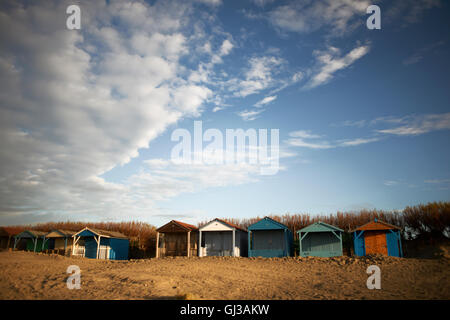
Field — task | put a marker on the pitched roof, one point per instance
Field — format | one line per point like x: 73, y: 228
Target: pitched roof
x: 376, y: 225
x: 60, y: 233
x: 267, y: 223
x: 172, y: 226
x: 186, y: 225
x: 10, y: 231
x: 33, y: 233
x: 230, y: 224
x: 104, y: 233
x: 320, y: 227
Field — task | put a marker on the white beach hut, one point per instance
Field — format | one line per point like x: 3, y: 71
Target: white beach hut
x: 221, y: 238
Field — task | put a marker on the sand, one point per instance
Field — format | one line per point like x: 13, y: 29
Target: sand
x: 27, y: 275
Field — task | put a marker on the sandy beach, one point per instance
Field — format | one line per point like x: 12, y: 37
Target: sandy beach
x: 27, y: 275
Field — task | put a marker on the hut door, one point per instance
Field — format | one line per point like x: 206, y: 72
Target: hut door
x: 375, y: 242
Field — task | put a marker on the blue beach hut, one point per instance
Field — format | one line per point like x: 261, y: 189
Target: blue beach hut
x: 100, y: 244
x: 269, y: 238
x: 320, y: 240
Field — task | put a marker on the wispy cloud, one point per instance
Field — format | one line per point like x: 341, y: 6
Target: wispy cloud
x: 337, y: 16
x: 259, y: 76
x: 265, y: 101
x: 330, y: 61
x: 419, y: 124
x: 306, y: 139
x: 250, y: 115
x: 422, y: 52
x: 437, y: 181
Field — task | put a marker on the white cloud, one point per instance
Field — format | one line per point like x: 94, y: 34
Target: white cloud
x: 408, y: 12
x: 303, y: 134
x: 418, y: 124
x: 338, y: 16
x: 330, y: 61
x: 265, y: 101
x: 259, y: 76
x: 357, y: 141
x: 262, y: 3
x: 302, y: 138
x: 250, y: 115
x: 437, y: 181
x: 75, y: 104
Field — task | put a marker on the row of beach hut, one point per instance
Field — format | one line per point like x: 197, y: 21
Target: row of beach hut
x: 270, y: 238
x: 88, y: 242
x: 265, y: 238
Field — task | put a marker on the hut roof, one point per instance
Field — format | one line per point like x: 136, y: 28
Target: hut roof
x: 177, y: 226
x: 376, y: 225
x: 58, y: 233
x: 230, y: 224
x: 267, y: 223
x: 104, y: 233
x: 10, y: 231
x: 320, y: 227
x: 31, y: 234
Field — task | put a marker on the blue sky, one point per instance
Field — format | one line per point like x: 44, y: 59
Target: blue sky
x: 87, y: 115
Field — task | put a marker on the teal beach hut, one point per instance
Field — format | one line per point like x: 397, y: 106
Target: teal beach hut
x: 34, y: 240
x: 320, y: 240
x: 269, y: 238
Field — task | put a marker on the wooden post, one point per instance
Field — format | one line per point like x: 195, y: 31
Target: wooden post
x: 35, y: 243
x: 98, y: 244
x: 249, y: 246
x: 189, y: 244
x: 73, y: 244
x: 157, y: 245
x: 234, y: 241
x: 15, y: 242
x: 200, y: 243
x: 300, y: 244
x: 9, y: 241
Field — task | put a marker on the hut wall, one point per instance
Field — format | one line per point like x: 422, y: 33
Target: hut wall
x: 175, y: 244
x: 358, y: 243
x: 194, y: 244
x: 118, y: 249
x: 243, y: 245
x: 321, y: 244
x: 218, y: 243
x: 3, y: 242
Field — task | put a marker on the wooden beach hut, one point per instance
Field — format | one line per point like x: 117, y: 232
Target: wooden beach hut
x: 320, y: 240
x: 377, y: 237
x: 34, y: 240
x: 221, y: 238
x: 177, y: 239
x: 59, y: 241
x: 269, y: 238
x: 7, y: 236
x: 100, y: 244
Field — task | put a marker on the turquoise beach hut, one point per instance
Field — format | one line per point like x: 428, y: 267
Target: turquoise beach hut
x: 269, y: 238
x: 320, y: 240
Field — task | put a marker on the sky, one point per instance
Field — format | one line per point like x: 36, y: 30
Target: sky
x: 88, y: 115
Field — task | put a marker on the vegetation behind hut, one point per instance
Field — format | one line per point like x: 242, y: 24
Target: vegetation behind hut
x: 427, y: 223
